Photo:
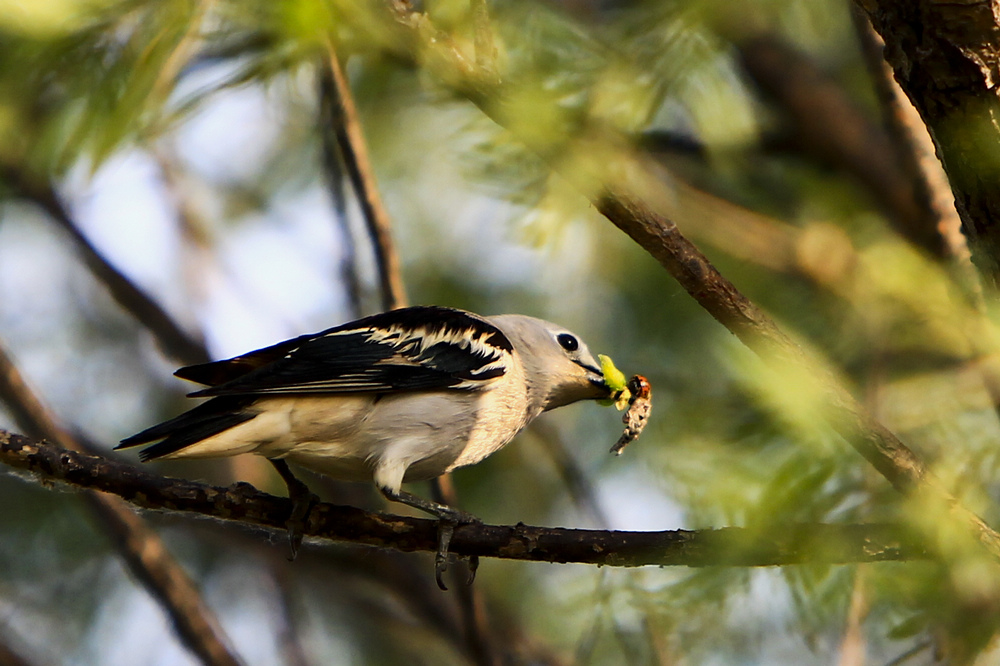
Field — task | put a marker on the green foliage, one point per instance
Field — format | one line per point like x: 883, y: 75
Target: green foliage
x: 494, y: 217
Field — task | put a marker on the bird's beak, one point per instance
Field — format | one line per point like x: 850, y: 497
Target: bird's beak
x: 596, y: 379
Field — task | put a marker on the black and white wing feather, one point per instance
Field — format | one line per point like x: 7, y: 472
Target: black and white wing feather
x: 411, y: 349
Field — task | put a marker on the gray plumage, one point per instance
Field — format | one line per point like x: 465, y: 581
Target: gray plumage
x: 405, y: 395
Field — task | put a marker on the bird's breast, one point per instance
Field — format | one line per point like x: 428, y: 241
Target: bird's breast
x: 501, y: 413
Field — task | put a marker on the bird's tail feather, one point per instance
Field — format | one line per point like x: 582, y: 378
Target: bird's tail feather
x: 192, y: 426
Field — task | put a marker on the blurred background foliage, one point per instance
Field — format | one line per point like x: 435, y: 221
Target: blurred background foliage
x: 183, y: 139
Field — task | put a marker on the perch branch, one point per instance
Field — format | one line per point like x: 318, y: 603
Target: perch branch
x: 241, y: 503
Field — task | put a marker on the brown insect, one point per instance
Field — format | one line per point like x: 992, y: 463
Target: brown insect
x: 635, y: 417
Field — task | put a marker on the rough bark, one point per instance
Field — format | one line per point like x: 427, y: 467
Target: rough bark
x: 731, y: 546
x: 945, y: 57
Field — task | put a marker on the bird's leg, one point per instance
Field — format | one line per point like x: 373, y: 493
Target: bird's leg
x: 303, y: 500
x: 443, y: 492
x: 448, y: 519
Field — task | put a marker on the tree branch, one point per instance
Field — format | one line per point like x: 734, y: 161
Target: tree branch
x: 341, y: 118
x: 623, y: 188
x: 945, y: 57
x: 913, y: 148
x: 173, y: 340
x: 877, y: 444
x: 241, y: 503
x: 140, y: 547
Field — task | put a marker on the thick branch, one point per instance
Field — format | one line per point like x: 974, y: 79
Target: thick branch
x: 779, y: 545
x: 913, y: 148
x: 945, y: 57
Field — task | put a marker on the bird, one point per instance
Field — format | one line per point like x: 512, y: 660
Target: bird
x: 400, y: 396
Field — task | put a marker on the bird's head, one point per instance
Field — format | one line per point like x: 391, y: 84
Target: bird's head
x: 559, y: 369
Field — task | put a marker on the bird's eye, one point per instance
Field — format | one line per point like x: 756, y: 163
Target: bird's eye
x: 567, y: 342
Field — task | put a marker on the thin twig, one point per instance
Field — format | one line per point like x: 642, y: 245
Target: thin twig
x: 181, y: 54
x: 284, y: 614
x: 343, y: 119
x: 140, y: 547
x: 910, y: 654
x: 241, y: 503
x: 334, y: 172
x: 344, y: 145
x: 173, y: 340
x: 852, y: 643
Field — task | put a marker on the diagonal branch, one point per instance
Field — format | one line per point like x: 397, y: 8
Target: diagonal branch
x: 140, y: 547
x: 624, y: 189
x: 241, y: 503
x: 877, y: 444
x: 174, y: 340
x: 341, y: 118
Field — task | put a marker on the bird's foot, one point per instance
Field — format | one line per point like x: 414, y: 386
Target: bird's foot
x: 303, y: 500
x: 447, y: 522
x: 297, y: 520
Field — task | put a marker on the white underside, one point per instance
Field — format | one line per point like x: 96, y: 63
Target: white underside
x: 389, y: 438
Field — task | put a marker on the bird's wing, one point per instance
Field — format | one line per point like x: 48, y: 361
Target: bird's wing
x: 410, y: 349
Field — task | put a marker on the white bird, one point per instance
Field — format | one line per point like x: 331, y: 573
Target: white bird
x: 405, y: 395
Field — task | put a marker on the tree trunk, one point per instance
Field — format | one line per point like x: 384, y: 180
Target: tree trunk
x: 945, y: 57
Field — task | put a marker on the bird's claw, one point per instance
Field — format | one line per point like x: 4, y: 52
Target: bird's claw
x: 302, y: 505
x: 448, y: 519
x: 446, y: 529
x: 473, y: 568
x: 303, y: 500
